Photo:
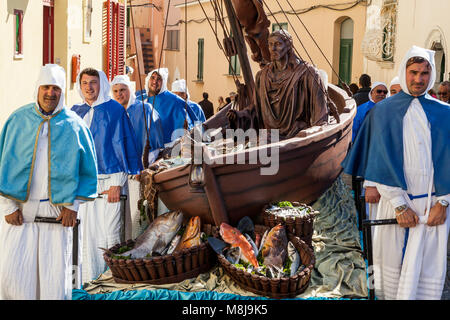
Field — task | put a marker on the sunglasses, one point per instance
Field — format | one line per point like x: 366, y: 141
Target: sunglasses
x: 381, y: 91
x: 442, y: 93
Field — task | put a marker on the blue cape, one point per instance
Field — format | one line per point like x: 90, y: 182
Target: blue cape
x: 115, y: 141
x: 377, y: 154
x: 72, y: 160
x: 195, y: 112
x: 136, y: 114
x: 172, y: 111
x: 361, y: 112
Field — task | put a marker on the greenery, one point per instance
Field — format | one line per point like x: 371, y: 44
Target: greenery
x: 283, y: 204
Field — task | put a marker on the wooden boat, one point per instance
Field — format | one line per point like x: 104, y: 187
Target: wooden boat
x: 308, y: 166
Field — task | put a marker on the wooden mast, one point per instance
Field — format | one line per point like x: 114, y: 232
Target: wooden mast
x: 241, y: 49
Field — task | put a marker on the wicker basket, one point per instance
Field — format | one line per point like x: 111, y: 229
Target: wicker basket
x: 178, y: 266
x: 301, y: 227
x: 288, y: 287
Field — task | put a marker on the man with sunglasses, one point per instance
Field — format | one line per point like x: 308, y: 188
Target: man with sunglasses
x: 377, y: 93
x: 403, y: 147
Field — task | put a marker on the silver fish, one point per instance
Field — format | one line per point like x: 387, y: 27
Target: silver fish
x: 252, y: 243
x: 157, y: 235
x: 294, y: 257
x: 173, y: 245
x: 233, y: 255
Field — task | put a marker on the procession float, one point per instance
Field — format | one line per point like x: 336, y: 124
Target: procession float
x: 257, y: 227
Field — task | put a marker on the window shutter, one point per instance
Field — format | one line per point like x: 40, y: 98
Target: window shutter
x: 121, y: 24
x: 107, y: 35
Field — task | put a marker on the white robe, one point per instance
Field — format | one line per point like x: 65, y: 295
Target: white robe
x: 422, y: 272
x: 36, y: 258
x: 101, y: 222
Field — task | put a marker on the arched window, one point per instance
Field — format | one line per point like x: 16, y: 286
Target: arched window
x: 346, y: 50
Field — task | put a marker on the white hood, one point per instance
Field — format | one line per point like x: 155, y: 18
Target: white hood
x: 103, y: 95
x: 376, y: 84
x: 164, y: 73
x: 417, y: 52
x: 394, y: 81
x: 52, y: 74
x: 124, y: 79
x: 180, y: 86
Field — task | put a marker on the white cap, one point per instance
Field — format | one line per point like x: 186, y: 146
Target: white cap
x: 394, y: 81
x: 103, y: 95
x: 376, y: 84
x: 52, y: 74
x: 180, y: 86
x: 124, y: 79
x: 164, y: 73
x: 417, y: 52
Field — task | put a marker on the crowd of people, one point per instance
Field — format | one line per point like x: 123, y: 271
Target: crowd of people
x: 69, y: 165
x: 77, y: 164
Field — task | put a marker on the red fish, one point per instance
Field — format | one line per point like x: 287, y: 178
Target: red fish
x: 234, y: 237
x: 191, y: 236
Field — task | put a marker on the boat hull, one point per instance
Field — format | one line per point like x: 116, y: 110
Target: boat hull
x: 308, y: 166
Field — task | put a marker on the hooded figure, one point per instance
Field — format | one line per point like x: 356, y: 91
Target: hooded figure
x: 117, y: 157
x: 365, y: 107
x: 394, y: 86
x: 403, y: 147
x: 146, y: 123
x: 47, y: 168
x: 172, y: 110
x: 195, y: 112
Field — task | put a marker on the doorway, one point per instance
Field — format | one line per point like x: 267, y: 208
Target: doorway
x: 346, y: 50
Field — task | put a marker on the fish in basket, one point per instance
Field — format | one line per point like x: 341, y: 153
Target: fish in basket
x: 273, y: 263
x: 167, y: 252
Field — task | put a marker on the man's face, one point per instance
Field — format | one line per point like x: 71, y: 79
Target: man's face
x: 379, y: 93
x: 277, y: 48
x: 48, y: 97
x: 417, y: 78
x: 90, y: 88
x: 395, y: 88
x: 154, y: 84
x: 182, y: 95
x: 121, y: 93
x: 443, y: 93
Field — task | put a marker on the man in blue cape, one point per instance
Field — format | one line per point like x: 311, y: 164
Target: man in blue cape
x: 195, y: 112
x: 47, y: 169
x: 173, y: 110
x: 147, y: 125
x: 117, y: 157
x: 403, y: 147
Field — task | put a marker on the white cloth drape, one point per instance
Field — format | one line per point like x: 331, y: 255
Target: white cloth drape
x: 421, y: 273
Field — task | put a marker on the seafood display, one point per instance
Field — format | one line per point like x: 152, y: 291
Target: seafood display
x: 234, y: 237
x: 286, y: 209
x: 191, y: 236
x: 273, y: 257
x: 165, y: 235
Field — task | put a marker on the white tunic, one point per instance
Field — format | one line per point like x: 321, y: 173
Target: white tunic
x: 421, y: 273
x: 101, y: 222
x: 35, y: 258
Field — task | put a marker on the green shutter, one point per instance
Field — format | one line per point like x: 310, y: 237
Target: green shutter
x: 345, y: 60
x: 201, y: 53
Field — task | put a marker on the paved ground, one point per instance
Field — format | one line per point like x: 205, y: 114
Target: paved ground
x: 446, y: 293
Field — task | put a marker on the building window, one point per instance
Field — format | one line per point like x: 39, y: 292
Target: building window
x: 87, y: 25
x: 201, y: 56
x: 388, y: 22
x: 235, y: 66
x: 18, y: 48
x: 173, y: 40
x: 278, y: 26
